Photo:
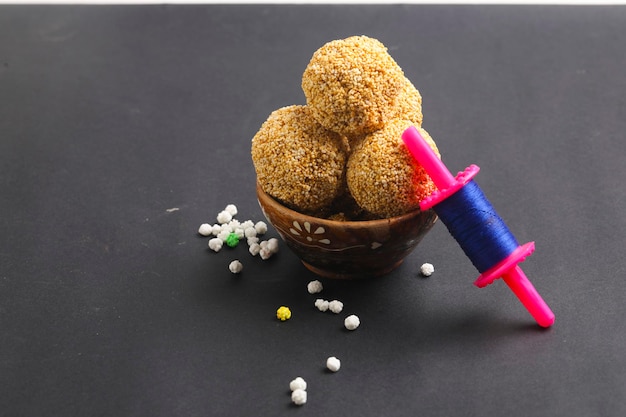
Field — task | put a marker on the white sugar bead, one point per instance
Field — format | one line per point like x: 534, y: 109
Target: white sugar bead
x: 260, y: 227
x: 232, y: 209
x: 223, y: 235
x: 427, y: 269
x: 321, y: 304
x: 205, y: 229
x: 234, y: 225
x: 333, y: 364
x: 252, y: 240
x: 272, y: 245
x: 216, y: 244
x: 254, y: 249
x: 249, y: 231
x: 224, y: 217
x: 216, y: 229
x: 246, y: 224
x: 314, y: 287
x: 352, y: 322
x: 298, y: 383
x: 265, y: 253
x: 335, y: 306
x: 298, y: 397
x: 235, y: 267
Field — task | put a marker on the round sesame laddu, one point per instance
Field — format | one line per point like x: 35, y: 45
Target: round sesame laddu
x: 383, y: 177
x: 409, y: 104
x: 297, y: 161
x: 352, y: 85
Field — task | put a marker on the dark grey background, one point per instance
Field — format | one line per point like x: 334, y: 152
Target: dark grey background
x: 111, y: 305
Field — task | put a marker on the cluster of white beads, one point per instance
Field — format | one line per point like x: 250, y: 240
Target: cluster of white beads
x: 265, y: 249
x: 335, y: 306
x: 298, y: 386
x: 231, y: 231
x: 227, y: 224
x: 298, y: 391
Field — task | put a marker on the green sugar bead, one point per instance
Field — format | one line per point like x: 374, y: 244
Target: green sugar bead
x: 232, y: 240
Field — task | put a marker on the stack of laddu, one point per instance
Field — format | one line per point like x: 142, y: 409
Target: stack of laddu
x: 341, y: 156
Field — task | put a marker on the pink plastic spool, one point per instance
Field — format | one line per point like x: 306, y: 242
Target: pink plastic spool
x: 507, y: 268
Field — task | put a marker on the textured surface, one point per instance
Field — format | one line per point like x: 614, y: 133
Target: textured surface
x: 382, y: 175
x: 122, y: 129
x: 297, y: 161
x: 353, y: 85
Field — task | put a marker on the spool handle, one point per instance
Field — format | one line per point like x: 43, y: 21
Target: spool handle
x: 427, y: 158
x: 528, y: 296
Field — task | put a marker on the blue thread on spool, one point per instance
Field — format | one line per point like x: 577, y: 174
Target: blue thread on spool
x: 475, y: 225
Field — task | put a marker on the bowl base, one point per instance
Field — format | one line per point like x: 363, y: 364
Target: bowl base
x: 334, y: 274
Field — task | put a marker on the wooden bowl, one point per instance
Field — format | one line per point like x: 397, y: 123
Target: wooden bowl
x: 347, y: 249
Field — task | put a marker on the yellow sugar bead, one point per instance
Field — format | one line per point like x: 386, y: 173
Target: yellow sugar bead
x: 283, y: 313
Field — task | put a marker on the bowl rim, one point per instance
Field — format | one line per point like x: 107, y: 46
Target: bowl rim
x: 358, y: 224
